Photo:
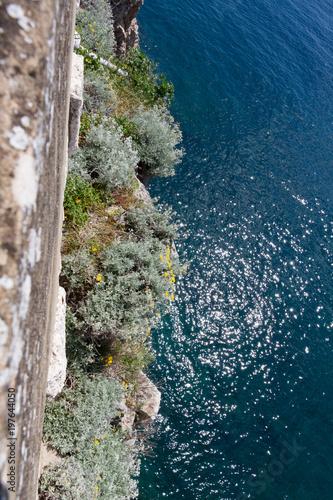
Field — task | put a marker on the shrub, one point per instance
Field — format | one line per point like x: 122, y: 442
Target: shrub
x: 101, y: 462
x: 136, y: 281
x: 80, y: 198
x: 156, y: 141
x: 95, y: 24
x: 149, y: 221
x: 81, y: 356
x: 105, y: 473
x: 98, y: 94
x: 82, y: 413
x: 153, y: 88
x: 106, y: 157
x: 78, y: 270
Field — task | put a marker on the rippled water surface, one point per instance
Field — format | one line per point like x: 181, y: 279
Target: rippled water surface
x: 245, y: 357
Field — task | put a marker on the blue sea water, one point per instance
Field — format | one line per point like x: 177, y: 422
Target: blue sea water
x: 245, y: 356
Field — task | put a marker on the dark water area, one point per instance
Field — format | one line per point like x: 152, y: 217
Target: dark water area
x: 245, y: 356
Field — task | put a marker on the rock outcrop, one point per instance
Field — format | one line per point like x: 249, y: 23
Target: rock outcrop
x: 125, y: 24
x: 58, y: 362
x: 147, y: 399
x: 76, y: 103
x: 145, y: 404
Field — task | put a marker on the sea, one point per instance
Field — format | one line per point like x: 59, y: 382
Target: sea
x: 244, y: 358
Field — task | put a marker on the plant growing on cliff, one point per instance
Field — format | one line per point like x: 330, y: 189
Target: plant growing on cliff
x: 156, y: 141
x: 78, y: 270
x: 147, y: 221
x: 133, y: 284
x: 153, y: 88
x: 80, y: 198
x: 95, y: 401
x: 94, y: 22
x: 106, y: 157
x: 101, y: 463
x: 98, y: 95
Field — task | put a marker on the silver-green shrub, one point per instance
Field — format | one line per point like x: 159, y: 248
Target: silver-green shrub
x: 151, y: 221
x: 101, y: 462
x: 156, y: 140
x: 98, y: 95
x: 94, y: 22
x: 106, y: 157
x: 135, y: 283
x: 82, y: 414
x: 106, y: 473
x: 78, y: 270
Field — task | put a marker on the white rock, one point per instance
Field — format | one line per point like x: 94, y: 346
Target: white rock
x: 76, y: 103
x: 142, y: 194
x: 77, y: 40
x: 147, y: 399
x: 58, y: 361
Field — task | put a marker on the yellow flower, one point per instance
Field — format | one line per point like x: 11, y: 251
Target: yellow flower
x: 162, y: 258
x: 94, y: 22
x: 167, y: 294
x: 96, y: 441
x: 119, y: 415
x: 78, y: 201
x: 166, y: 274
x: 169, y: 264
x: 92, y: 29
x: 99, y: 277
x: 172, y: 297
x: 96, y: 489
x: 94, y: 249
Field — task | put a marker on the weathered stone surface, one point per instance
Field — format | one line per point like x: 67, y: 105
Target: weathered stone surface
x: 142, y: 194
x: 76, y: 103
x: 58, y: 362
x: 35, y: 57
x: 77, y: 40
x: 47, y: 456
x: 125, y: 24
x: 127, y: 421
x: 147, y: 399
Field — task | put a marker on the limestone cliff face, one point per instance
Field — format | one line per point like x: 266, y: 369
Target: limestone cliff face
x: 125, y: 24
x: 35, y: 54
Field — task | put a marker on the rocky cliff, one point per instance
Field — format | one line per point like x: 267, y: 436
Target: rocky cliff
x: 35, y: 55
x: 125, y: 24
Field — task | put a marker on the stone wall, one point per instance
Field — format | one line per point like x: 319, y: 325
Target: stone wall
x: 125, y: 24
x: 35, y: 61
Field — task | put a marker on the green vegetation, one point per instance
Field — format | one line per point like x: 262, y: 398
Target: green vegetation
x: 80, y: 198
x: 106, y: 157
x: 153, y: 89
x: 118, y: 267
x: 94, y: 23
x: 99, y: 462
x: 156, y: 141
